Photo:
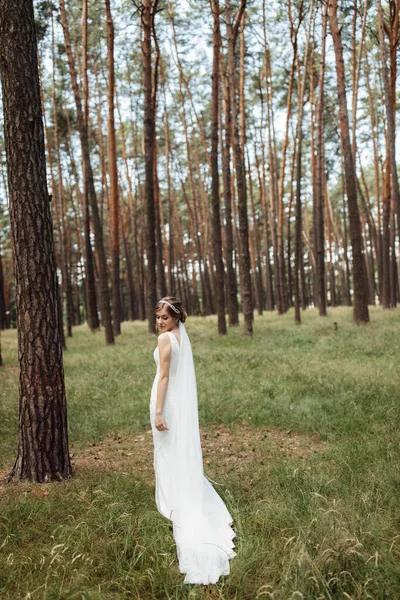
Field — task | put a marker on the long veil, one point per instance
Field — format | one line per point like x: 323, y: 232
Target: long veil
x: 201, y: 521
x: 185, y: 439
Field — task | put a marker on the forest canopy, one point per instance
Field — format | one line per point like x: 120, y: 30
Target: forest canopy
x: 239, y: 155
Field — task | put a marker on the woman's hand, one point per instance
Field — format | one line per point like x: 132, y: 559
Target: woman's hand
x: 159, y: 423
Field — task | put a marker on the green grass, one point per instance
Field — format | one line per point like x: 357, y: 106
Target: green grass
x: 325, y: 527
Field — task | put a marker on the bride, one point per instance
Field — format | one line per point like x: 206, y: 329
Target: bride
x: 201, y: 522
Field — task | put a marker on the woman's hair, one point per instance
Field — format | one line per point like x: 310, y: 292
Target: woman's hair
x: 168, y: 302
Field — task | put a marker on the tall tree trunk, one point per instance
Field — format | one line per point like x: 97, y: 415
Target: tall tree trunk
x: 90, y: 285
x: 158, y: 208
x: 244, y: 254
x: 280, y: 267
x: 373, y: 118
x: 216, y: 219
x: 43, y: 453
x: 113, y: 170
x: 148, y: 15
x: 170, y: 262
x: 259, y: 289
x: 298, y: 263
x: 82, y: 125
x: 66, y: 279
x: 270, y: 300
x: 319, y: 241
x: 233, y: 308
x: 361, y: 314
x: 390, y: 96
x: 346, y: 281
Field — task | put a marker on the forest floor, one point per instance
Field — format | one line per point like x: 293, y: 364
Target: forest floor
x: 300, y: 433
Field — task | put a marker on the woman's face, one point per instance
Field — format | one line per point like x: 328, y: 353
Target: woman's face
x: 164, y: 320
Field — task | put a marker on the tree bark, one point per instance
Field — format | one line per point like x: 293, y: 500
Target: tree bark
x: 43, y: 453
x: 113, y: 171
x: 360, y: 313
x: 298, y: 263
x: 232, y: 301
x: 148, y: 13
x: 390, y: 100
x: 90, y: 284
x: 319, y: 227
x: 216, y: 219
x: 244, y: 254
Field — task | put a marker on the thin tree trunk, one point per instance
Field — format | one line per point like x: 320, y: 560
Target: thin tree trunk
x: 244, y: 254
x: 390, y: 100
x: 148, y: 14
x: 82, y: 125
x: 233, y: 308
x: 90, y: 284
x: 158, y: 208
x: 66, y: 280
x: 259, y: 295
x: 113, y: 171
x: 319, y: 241
x: 298, y: 263
x: 216, y: 219
x: 361, y: 314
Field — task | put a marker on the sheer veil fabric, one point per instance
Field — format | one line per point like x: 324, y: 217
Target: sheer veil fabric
x: 201, y: 522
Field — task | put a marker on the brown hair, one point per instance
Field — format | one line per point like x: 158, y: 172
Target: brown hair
x: 176, y: 303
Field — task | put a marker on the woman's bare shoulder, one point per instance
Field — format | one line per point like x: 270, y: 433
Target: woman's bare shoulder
x: 163, y: 339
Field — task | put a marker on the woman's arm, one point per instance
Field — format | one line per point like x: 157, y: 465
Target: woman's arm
x: 164, y: 350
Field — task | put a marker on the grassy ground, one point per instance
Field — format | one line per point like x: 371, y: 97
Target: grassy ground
x: 299, y: 425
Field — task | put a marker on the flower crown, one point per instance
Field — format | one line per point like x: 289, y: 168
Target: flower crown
x: 176, y: 310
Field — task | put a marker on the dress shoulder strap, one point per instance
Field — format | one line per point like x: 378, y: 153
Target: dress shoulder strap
x: 171, y: 335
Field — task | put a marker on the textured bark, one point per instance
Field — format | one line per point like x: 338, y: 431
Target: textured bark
x: 244, y: 254
x: 148, y: 11
x: 43, y: 453
x: 361, y: 314
x: 113, y: 171
x: 216, y: 219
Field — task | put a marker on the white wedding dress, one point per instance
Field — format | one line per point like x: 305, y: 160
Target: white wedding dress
x: 201, y: 522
